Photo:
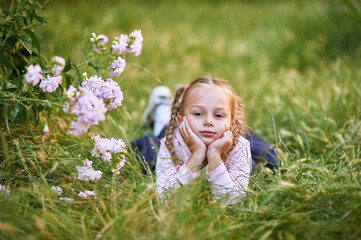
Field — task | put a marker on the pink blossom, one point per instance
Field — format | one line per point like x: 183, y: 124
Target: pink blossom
x: 33, y: 74
x: 119, y: 166
x: 103, y: 147
x: 87, y: 108
x: 66, y: 199
x: 109, y: 91
x: 136, y: 47
x: 137, y: 42
x: 137, y: 34
x: 46, y: 129
x: 59, y: 60
x: 120, y: 44
x: 117, y: 66
x: 71, y: 92
x: 78, y: 128
x: 58, y: 66
x: 5, y: 190
x: 87, y: 173
x: 50, y: 84
x: 87, y: 163
x: 100, y: 42
x: 82, y: 195
x: 87, y: 193
x: 58, y: 190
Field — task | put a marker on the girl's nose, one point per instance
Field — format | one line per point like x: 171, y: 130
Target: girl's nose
x: 208, y: 121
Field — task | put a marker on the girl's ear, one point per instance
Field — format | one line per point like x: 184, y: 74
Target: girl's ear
x: 179, y: 120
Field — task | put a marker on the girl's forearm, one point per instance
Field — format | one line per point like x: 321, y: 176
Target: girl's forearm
x: 214, y: 160
x: 195, y: 161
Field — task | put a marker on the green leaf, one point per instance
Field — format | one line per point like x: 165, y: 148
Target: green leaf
x: 9, y: 64
x: 25, y: 42
x: 67, y: 66
x: 78, y: 73
x: 15, y: 113
x: 25, y: 39
x: 24, y: 113
x: 6, y: 115
x: 85, y: 54
x: 68, y: 80
x: 35, y: 40
x: 38, y: 18
x: 36, y: 113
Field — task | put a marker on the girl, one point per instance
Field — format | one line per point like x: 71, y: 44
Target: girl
x: 206, y: 126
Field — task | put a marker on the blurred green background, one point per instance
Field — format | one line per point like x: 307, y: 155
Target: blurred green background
x: 287, y: 56
x: 282, y: 56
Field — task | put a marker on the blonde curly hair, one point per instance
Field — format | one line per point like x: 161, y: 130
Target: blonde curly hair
x: 237, y: 114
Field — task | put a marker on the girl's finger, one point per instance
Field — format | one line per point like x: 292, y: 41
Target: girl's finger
x: 186, y: 125
x: 181, y: 130
x: 184, y: 130
x: 189, y: 130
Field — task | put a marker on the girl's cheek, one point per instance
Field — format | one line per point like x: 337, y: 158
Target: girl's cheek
x: 192, y: 124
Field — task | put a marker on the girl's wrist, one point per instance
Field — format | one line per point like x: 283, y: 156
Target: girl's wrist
x: 213, y: 152
x: 196, y: 160
x: 199, y: 154
x: 199, y: 150
x: 213, y: 162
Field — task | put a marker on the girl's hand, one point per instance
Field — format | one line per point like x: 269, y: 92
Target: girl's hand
x: 217, y: 148
x: 193, y: 142
x: 222, y: 144
x: 195, y: 145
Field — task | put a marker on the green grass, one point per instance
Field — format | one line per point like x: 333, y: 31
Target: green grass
x: 296, y: 65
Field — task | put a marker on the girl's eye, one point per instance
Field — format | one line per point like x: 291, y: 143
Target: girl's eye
x: 197, y: 114
x: 218, y: 115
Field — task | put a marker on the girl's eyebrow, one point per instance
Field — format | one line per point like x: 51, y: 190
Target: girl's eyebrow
x: 202, y: 106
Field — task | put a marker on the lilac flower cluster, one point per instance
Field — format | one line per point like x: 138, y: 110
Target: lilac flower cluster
x: 33, y: 74
x: 87, y: 108
x: 59, y: 64
x: 117, y: 66
x: 87, y: 193
x: 109, y: 91
x: 58, y: 190
x: 51, y: 83
x: 66, y: 199
x: 104, y: 147
x: 87, y: 172
x: 132, y: 44
x: 121, y: 45
x: 99, y: 42
x: 119, y: 166
x: 137, y: 42
x: 5, y: 190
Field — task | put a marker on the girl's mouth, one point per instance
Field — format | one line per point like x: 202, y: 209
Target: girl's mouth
x: 207, y: 133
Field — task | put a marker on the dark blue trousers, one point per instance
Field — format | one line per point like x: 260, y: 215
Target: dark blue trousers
x: 261, y: 151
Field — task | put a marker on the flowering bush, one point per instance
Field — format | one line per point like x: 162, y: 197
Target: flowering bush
x: 45, y: 81
x: 32, y: 82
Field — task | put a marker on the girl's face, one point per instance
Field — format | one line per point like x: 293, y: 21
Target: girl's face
x: 208, y: 110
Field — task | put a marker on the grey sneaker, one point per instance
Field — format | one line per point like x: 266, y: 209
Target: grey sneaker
x: 160, y: 95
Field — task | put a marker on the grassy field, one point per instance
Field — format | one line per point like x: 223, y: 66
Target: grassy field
x: 296, y: 66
